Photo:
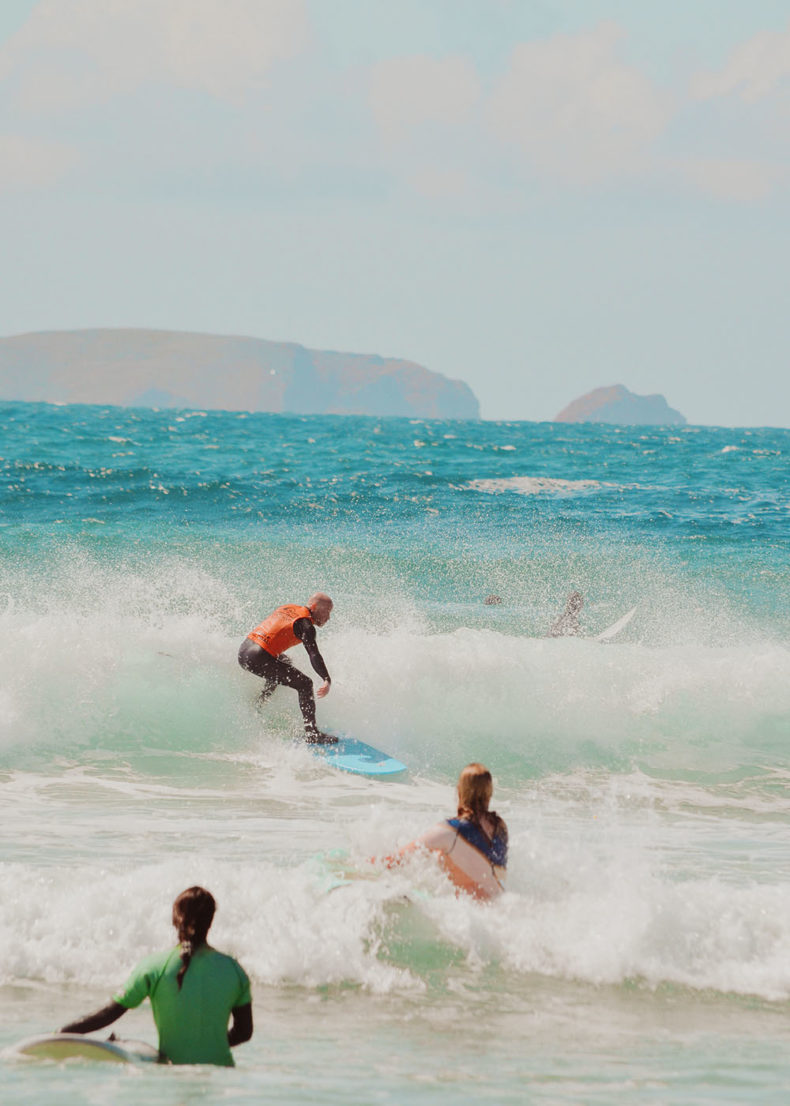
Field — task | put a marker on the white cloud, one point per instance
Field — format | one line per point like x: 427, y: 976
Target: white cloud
x: 757, y: 69
x: 439, y: 183
x: 75, y: 51
x: 408, y: 92
x: 731, y: 179
x: 30, y: 163
x: 747, y: 109
x: 575, y: 110
x: 565, y: 109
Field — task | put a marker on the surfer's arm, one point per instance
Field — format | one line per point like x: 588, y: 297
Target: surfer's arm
x: 305, y: 631
x: 241, y: 1025
x: 397, y: 858
x: 97, y: 1020
x: 394, y: 860
x: 438, y: 839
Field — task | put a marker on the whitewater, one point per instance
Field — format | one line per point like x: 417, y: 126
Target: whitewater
x: 641, y: 952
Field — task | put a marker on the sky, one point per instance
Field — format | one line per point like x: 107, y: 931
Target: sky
x: 538, y: 197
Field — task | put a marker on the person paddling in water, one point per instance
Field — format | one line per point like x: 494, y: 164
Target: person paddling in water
x: 194, y: 992
x: 472, y: 848
x: 568, y: 625
x: 262, y: 649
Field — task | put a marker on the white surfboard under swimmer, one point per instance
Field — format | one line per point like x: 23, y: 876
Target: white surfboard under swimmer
x: 71, y: 1046
x: 616, y: 627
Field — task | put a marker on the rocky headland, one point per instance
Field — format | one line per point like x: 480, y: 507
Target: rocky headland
x: 616, y: 404
x: 161, y: 368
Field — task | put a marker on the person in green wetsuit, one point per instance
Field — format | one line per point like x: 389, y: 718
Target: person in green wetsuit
x: 194, y: 992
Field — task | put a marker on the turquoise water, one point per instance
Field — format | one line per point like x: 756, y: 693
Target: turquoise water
x: 642, y: 951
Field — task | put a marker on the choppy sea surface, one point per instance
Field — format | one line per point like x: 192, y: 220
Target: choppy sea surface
x: 641, y: 953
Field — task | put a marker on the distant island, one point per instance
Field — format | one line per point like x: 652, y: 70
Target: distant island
x: 163, y: 368
x: 616, y: 404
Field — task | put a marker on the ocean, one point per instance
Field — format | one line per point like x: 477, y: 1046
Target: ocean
x: 641, y: 953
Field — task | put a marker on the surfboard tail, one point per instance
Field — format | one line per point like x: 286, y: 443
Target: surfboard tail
x: 616, y: 627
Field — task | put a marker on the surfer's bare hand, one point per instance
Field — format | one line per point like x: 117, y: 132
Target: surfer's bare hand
x: 324, y: 689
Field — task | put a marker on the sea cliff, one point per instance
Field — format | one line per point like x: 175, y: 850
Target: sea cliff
x: 160, y: 368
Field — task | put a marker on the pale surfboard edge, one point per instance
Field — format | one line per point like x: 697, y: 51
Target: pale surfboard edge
x: 359, y: 758
x: 73, y: 1046
x: 616, y: 627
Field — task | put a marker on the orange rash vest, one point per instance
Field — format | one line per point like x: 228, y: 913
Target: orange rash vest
x: 276, y: 633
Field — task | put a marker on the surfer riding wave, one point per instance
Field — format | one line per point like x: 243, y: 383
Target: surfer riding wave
x: 262, y: 649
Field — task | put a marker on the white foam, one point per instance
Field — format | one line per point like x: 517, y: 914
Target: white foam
x: 534, y: 485
x: 129, y: 775
x: 602, y: 894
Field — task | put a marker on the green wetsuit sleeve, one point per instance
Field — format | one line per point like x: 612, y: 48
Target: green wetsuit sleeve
x: 143, y: 980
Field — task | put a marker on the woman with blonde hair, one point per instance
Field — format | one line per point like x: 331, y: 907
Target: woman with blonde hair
x: 472, y: 847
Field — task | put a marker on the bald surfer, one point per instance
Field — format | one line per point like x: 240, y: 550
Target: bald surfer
x: 262, y: 650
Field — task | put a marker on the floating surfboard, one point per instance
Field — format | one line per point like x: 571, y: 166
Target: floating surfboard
x: 70, y: 1046
x: 616, y: 627
x: 350, y: 755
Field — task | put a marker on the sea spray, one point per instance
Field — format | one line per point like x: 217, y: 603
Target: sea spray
x: 643, y: 937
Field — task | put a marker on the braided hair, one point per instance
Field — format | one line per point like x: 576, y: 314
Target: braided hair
x: 193, y: 913
x: 475, y: 788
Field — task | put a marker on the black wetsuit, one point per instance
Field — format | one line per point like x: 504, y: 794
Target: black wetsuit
x: 279, y: 670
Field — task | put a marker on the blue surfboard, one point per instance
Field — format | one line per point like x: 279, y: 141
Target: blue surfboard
x: 350, y: 755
